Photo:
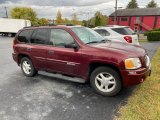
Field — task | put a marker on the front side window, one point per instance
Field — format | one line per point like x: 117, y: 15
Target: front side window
x: 40, y: 36
x: 60, y: 37
x: 25, y: 35
x: 87, y: 35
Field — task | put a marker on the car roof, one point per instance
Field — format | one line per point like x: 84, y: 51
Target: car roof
x: 110, y: 26
x: 53, y: 26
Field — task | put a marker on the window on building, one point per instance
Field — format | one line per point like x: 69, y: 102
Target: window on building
x: 124, y: 19
x: 113, y: 18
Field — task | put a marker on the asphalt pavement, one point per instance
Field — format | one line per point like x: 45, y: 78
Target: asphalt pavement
x: 47, y: 98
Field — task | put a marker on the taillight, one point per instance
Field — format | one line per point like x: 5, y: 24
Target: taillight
x: 128, y: 39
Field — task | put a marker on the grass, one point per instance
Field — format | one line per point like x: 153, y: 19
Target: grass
x: 144, y: 104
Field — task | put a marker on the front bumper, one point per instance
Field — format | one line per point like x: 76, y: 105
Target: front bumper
x: 134, y: 77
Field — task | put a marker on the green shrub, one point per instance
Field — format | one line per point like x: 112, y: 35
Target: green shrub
x: 153, y: 35
x: 146, y: 33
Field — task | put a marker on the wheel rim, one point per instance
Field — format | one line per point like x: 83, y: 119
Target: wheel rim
x: 105, y: 82
x: 26, y: 67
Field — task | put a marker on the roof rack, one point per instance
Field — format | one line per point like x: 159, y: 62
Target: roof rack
x: 27, y: 27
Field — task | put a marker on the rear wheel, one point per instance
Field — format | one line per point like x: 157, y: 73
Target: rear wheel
x: 27, y: 67
x: 105, y: 81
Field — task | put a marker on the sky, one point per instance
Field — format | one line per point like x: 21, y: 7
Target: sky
x: 83, y: 8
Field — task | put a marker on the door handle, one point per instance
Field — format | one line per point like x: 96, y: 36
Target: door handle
x: 29, y: 49
x: 50, y: 52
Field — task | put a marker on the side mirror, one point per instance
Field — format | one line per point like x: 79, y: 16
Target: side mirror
x: 72, y: 45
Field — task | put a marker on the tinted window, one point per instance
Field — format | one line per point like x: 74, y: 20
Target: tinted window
x: 40, y: 36
x: 124, y: 31
x: 124, y: 19
x: 103, y: 32
x: 25, y: 35
x: 59, y: 37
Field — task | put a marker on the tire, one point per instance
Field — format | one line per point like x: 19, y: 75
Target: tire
x: 27, y: 67
x: 105, y: 81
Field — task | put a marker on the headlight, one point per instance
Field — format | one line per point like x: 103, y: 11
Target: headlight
x: 132, y: 63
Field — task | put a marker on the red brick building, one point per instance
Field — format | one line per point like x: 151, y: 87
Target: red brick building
x: 142, y: 19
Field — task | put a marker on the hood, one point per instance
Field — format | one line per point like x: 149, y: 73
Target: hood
x: 123, y: 48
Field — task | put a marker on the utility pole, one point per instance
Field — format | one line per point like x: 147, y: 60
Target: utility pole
x: 88, y: 19
x: 6, y: 12
x: 115, y: 15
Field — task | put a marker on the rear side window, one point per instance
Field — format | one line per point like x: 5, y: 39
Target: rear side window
x: 124, y: 31
x: 25, y: 36
x: 103, y: 32
x: 40, y: 36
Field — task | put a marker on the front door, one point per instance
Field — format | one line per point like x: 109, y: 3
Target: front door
x: 61, y: 59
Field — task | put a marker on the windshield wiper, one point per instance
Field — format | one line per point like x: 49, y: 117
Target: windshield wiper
x: 104, y: 41
x: 92, y: 42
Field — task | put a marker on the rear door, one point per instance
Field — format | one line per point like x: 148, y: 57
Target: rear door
x: 37, y: 47
x: 61, y: 59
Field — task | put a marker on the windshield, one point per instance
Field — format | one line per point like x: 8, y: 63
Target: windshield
x: 124, y: 31
x: 87, y: 35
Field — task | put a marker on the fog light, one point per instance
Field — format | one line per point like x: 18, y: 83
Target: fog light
x: 142, y: 80
x: 132, y: 73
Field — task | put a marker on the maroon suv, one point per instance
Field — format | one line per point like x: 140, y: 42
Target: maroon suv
x: 81, y: 53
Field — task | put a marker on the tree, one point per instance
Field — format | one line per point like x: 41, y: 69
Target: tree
x: 24, y: 13
x: 75, y: 20
x: 59, y: 19
x: 66, y: 21
x: 98, y: 20
x: 132, y: 4
x: 43, y: 21
x: 152, y: 4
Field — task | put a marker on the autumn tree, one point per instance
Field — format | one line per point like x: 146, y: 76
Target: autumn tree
x: 132, y: 4
x: 59, y: 19
x: 152, y: 4
x: 98, y: 20
x: 43, y: 21
x: 24, y: 13
x: 75, y: 20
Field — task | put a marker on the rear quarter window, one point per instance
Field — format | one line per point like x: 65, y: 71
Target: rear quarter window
x: 124, y: 31
x: 103, y: 32
x: 25, y: 36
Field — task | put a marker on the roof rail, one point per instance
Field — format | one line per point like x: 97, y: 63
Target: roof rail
x: 27, y: 27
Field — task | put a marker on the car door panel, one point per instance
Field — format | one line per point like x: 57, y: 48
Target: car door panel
x: 38, y: 48
x: 64, y: 60
x: 59, y: 58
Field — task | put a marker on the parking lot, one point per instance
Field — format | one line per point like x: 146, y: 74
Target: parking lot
x: 46, y: 98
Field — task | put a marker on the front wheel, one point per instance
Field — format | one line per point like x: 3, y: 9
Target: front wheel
x: 27, y: 67
x: 105, y: 81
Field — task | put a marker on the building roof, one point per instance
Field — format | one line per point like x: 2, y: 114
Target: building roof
x: 137, y: 12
